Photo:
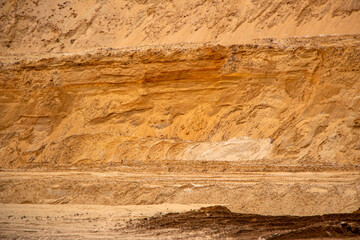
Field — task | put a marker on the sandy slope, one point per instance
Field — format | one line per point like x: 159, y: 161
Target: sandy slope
x: 68, y: 26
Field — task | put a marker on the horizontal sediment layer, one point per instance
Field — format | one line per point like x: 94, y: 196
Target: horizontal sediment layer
x: 290, y: 103
x: 269, y: 193
x: 72, y: 26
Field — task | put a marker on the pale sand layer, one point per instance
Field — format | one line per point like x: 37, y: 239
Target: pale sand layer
x: 34, y: 221
x: 68, y: 26
x: 275, y: 193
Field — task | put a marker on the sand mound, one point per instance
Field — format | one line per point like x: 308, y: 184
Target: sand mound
x: 219, y: 222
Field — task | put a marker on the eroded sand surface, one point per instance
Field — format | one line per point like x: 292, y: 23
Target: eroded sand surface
x: 293, y: 102
x: 268, y: 129
x: 116, y: 111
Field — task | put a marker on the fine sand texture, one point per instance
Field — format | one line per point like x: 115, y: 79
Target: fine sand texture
x: 180, y: 119
x: 267, y: 193
x: 161, y: 222
x: 71, y: 26
x: 292, y: 103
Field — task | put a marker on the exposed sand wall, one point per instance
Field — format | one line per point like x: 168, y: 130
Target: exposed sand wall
x: 156, y: 101
x: 293, y: 102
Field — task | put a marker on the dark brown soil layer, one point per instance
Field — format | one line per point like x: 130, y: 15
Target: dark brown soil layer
x: 220, y: 222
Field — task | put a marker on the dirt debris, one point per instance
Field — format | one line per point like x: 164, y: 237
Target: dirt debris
x: 219, y: 221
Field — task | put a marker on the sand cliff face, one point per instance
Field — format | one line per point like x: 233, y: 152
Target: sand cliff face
x: 71, y: 26
x: 294, y: 102
x: 245, y: 103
